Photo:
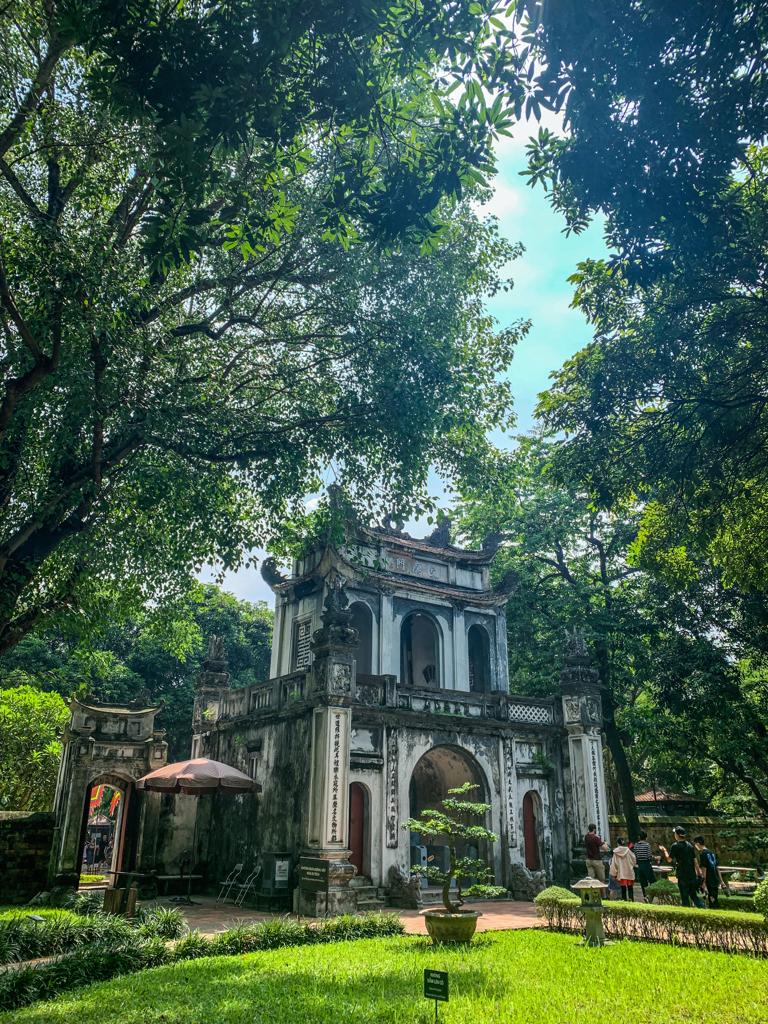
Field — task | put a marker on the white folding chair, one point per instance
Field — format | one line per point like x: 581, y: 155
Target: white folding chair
x: 228, y: 882
x: 247, y: 885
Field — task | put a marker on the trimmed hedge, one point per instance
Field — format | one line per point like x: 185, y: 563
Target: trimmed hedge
x: 132, y: 952
x: 727, y: 931
x: 667, y: 893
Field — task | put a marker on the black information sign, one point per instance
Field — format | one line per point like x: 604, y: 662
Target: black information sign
x: 436, y: 985
x: 313, y: 874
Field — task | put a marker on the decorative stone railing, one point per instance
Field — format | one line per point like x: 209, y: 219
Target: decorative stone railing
x: 383, y: 692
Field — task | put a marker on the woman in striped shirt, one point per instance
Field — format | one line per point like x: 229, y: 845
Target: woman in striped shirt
x: 644, y: 870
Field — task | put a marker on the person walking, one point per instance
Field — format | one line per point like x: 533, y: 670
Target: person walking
x: 623, y: 864
x: 710, y: 869
x: 595, y: 846
x: 644, y: 871
x: 683, y: 856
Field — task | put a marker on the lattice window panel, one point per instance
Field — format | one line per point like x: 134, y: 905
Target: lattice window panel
x: 302, y: 638
x: 529, y: 714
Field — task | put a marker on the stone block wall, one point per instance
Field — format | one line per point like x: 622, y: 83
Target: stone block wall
x: 728, y: 837
x: 26, y: 838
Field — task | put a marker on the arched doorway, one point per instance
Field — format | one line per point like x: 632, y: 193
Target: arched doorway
x: 420, y: 651
x: 531, y: 828
x: 362, y: 621
x: 109, y: 826
x: 479, y: 651
x: 439, y: 770
x: 359, y: 828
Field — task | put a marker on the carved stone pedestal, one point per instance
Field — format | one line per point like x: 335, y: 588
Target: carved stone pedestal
x: 330, y: 898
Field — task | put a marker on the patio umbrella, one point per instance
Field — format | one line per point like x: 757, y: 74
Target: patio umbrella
x: 196, y: 777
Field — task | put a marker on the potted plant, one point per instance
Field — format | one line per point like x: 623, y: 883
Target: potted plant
x: 451, y: 923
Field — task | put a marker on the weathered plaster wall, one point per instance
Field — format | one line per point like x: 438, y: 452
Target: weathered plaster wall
x: 242, y: 826
x: 26, y: 838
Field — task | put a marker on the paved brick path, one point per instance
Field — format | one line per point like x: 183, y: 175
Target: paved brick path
x: 211, y: 917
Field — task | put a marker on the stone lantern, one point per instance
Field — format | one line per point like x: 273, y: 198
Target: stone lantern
x: 591, y: 892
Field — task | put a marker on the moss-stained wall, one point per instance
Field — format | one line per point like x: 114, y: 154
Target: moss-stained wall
x: 243, y: 826
x: 25, y: 851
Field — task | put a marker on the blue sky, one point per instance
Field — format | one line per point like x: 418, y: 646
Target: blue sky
x: 541, y: 294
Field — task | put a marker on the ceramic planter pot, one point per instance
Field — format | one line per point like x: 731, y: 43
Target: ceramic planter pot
x: 443, y: 926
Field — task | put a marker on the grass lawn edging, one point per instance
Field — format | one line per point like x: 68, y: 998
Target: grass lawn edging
x: 508, y: 977
x: 714, y: 930
x: 120, y: 950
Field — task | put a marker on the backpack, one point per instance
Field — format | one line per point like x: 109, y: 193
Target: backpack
x: 710, y: 860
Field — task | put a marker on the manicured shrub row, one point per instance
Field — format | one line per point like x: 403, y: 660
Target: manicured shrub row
x: 133, y: 952
x: 745, y: 903
x: 668, y: 893
x: 727, y: 931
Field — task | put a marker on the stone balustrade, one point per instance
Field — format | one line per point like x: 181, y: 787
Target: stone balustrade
x: 370, y: 691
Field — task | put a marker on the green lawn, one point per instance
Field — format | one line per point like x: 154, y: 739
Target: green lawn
x: 523, y: 977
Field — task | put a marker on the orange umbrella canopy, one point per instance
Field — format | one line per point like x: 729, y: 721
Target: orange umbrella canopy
x: 198, y: 776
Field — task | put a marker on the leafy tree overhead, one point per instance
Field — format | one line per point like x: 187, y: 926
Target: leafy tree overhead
x: 31, y: 724
x: 226, y: 263
x: 571, y: 565
x: 666, y: 110
x: 661, y: 102
x: 679, y: 662
x: 669, y: 400
x: 131, y: 659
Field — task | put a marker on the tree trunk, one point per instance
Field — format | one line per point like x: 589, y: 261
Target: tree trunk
x: 615, y: 745
x: 623, y: 776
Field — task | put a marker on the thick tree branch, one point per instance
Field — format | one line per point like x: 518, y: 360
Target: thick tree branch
x: 28, y: 105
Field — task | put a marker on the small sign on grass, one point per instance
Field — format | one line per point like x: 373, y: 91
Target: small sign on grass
x: 436, y: 986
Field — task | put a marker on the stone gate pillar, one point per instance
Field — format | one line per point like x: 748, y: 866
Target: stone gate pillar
x: 333, y: 689
x: 583, y: 718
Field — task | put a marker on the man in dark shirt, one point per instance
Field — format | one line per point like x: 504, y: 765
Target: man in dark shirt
x: 683, y: 855
x: 709, y: 869
x: 593, y: 845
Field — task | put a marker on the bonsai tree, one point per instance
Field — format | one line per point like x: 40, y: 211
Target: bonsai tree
x: 453, y: 824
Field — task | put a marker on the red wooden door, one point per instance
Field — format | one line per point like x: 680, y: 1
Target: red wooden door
x: 530, y: 839
x: 357, y: 825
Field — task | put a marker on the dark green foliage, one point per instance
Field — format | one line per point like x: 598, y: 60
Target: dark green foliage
x: 85, y: 903
x: 238, y: 247
x: 21, y: 938
x: 134, y: 656
x: 662, y: 101
x: 761, y: 899
x: 192, y: 946
x: 98, y: 961
x: 663, y: 891
x: 31, y: 724
x: 161, y: 923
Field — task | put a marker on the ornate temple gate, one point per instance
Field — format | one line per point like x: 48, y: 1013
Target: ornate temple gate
x: 114, y: 746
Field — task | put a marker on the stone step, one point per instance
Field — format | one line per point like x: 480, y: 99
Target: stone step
x: 370, y: 904
x: 360, y: 882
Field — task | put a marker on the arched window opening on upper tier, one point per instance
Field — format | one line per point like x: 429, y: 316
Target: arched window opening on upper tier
x: 479, y: 650
x: 420, y: 651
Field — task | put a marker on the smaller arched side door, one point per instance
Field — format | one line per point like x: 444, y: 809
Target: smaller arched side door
x: 531, y: 830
